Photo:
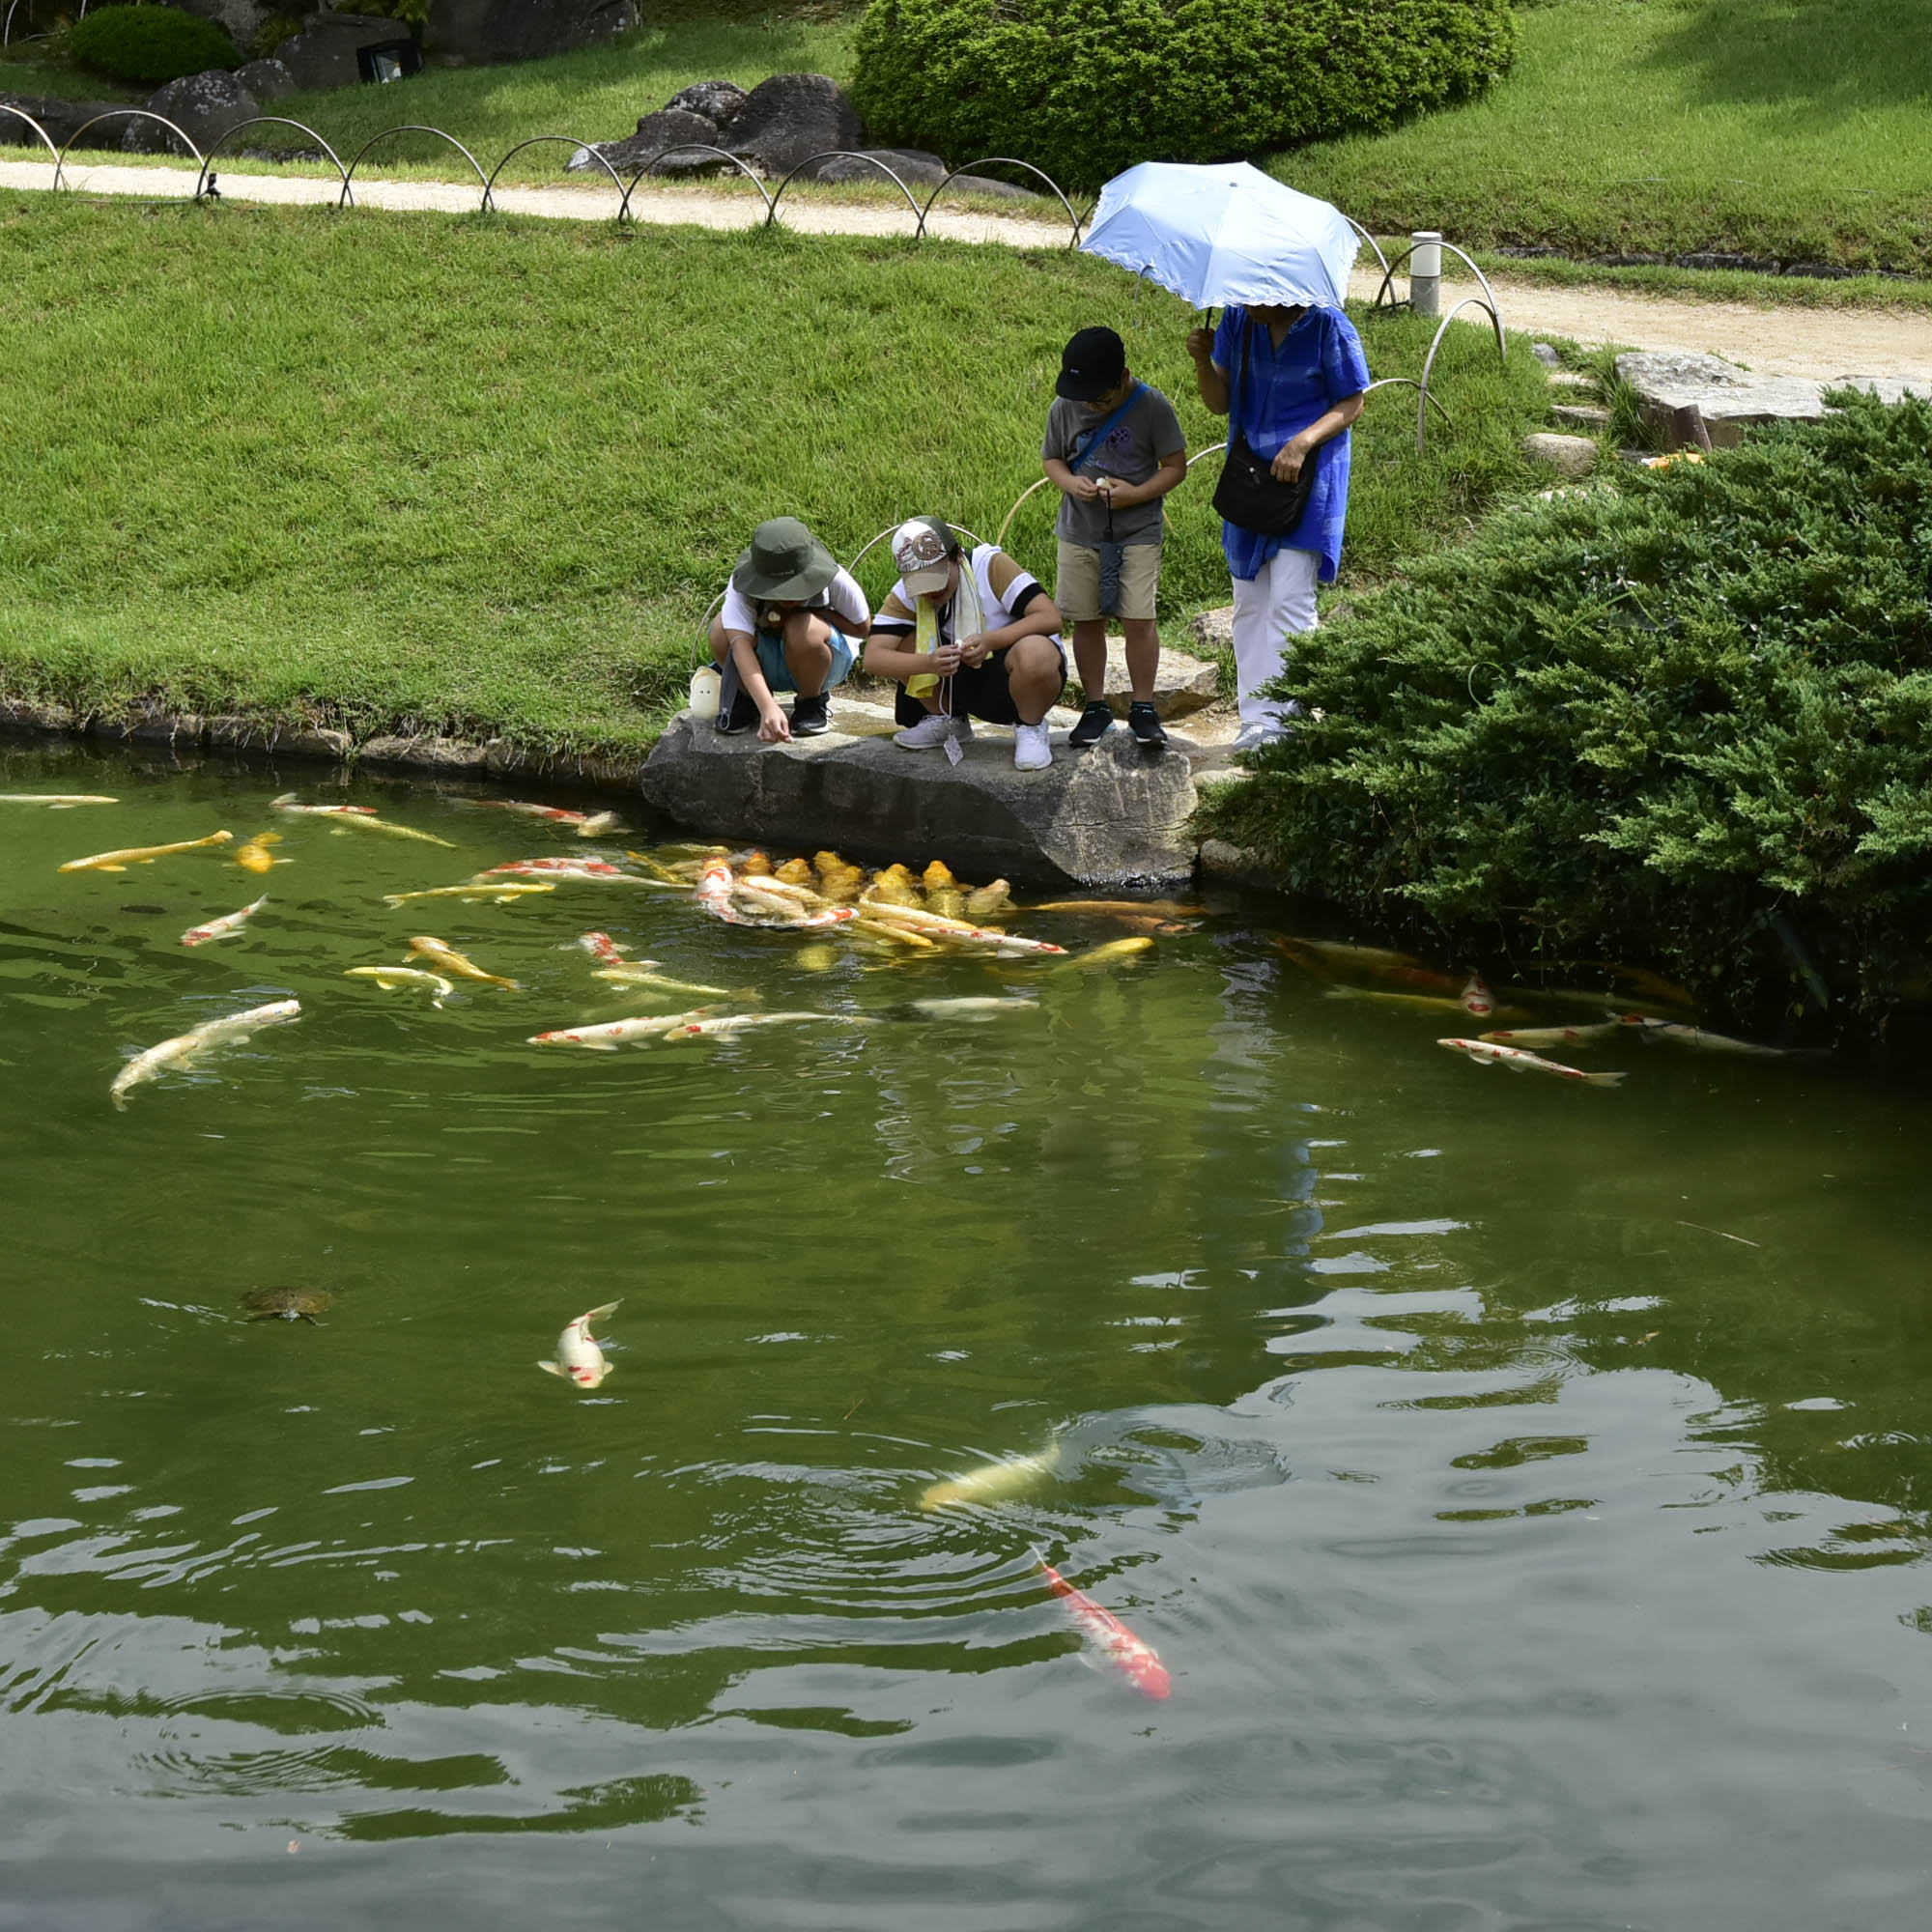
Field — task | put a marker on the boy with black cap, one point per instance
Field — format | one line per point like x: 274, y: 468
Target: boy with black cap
x: 1114, y: 448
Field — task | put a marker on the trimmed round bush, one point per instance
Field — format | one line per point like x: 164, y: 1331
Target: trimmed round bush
x: 150, y: 46
x: 1085, y: 88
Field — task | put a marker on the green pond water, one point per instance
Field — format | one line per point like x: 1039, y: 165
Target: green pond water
x: 1524, y: 1484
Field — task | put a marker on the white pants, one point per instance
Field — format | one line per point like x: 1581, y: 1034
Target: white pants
x: 1268, y: 610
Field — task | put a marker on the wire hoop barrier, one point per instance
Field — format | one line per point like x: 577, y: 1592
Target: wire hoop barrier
x: 413, y: 128
x: 846, y: 155
x: 263, y: 120
x: 691, y: 147
x: 1488, y: 293
x: 1373, y: 243
x: 118, y: 114
x: 587, y: 147
x: 1003, y: 161
x: 21, y: 114
x: 1429, y: 361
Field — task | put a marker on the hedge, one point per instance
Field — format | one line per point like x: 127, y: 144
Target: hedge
x: 150, y: 44
x: 1684, y: 719
x: 1085, y: 88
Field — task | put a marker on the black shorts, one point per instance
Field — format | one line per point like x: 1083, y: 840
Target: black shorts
x: 977, y: 691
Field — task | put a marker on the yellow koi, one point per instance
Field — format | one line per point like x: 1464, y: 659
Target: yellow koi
x: 437, y: 953
x: 639, y: 974
x: 142, y: 855
x: 255, y: 856
x: 993, y: 1482
x: 1110, y: 954
x: 498, y: 892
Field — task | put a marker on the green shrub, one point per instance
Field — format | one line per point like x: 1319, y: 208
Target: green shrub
x: 1085, y: 87
x: 150, y: 44
x: 1685, y: 718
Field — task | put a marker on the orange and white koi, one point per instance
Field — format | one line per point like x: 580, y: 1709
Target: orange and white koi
x: 613, y: 1033
x: 1133, y: 1656
x: 585, y: 872
x: 578, y: 1359
x: 183, y: 1049
x: 727, y: 1025
x: 1553, y: 1035
x: 220, y: 929
x: 588, y: 824
x: 361, y: 817
x: 1518, y: 1061
x: 58, y: 801
x: 455, y: 963
x: 142, y: 855
x: 714, y: 893
x: 1477, y: 1001
x: 602, y: 947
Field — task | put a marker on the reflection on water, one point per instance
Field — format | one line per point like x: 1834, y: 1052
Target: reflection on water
x: 1524, y: 1485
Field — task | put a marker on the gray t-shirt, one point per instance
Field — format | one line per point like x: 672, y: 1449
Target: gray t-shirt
x: 1133, y: 451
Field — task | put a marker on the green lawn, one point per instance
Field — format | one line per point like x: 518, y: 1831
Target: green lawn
x: 1796, y: 130
x: 486, y: 473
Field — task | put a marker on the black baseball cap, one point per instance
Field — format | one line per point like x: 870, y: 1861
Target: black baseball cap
x: 1090, y: 365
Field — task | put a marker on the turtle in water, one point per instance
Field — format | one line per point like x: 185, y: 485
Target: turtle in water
x: 287, y: 1304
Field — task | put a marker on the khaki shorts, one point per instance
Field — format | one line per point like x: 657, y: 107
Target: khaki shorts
x: 1077, y: 588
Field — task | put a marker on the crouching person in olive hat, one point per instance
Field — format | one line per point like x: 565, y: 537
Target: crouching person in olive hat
x: 791, y: 620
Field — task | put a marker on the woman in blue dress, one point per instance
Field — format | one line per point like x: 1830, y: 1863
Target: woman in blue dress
x: 1301, y: 377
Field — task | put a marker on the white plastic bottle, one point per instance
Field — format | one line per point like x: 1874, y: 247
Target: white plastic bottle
x: 705, y: 689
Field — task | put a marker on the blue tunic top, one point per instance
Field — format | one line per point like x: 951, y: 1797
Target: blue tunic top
x: 1281, y: 391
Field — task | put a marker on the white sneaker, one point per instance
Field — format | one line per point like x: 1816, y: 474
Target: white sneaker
x: 933, y: 732
x: 1032, y: 753
x: 1252, y: 737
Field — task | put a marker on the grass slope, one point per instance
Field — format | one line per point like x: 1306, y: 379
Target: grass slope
x: 486, y: 473
x: 1795, y: 129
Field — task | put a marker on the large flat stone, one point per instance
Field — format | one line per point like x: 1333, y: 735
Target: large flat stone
x: 1107, y: 816
x: 1181, y: 683
x: 1730, y: 399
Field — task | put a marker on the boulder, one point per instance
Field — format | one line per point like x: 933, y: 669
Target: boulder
x: 1729, y: 399
x: 1572, y: 456
x: 1588, y: 416
x: 1181, y: 683
x: 717, y: 101
x: 913, y: 165
x: 1888, y: 390
x: 788, y: 118
x: 669, y: 128
x: 1110, y: 816
x: 242, y: 19
x: 1545, y: 354
x: 1215, y: 629
x: 323, y: 53
x: 484, y: 33
x: 62, y: 119
x: 265, y: 79
x: 204, y: 107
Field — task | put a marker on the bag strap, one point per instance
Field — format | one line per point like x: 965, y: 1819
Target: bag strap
x: 1099, y: 435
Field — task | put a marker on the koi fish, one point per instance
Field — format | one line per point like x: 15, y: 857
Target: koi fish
x: 993, y: 1482
x: 1120, y: 908
x: 602, y: 947
x: 988, y: 901
x: 1518, y: 1061
x: 588, y: 824
x: 58, y: 801
x: 578, y: 1359
x: 220, y: 929
x: 1697, y: 1037
x: 142, y: 855
x: 583, y: 872
x: 255, y: 856
x: 390, y: 978
x: 1132, y: 1657
x: 362, y: 817
x: 183, y: 1049
x: 1477, y: 1001
x: 1326, y: 958
x: 714, y: 893
x: 613, y: 1033
x: 935, y: 926
x: 1110, y: 954
x: 961, y: 1009
x: 637, y: 974
x: 728, y: 1024
x: 454, y: 962
x: 1555, y: 1036
x: 501, y: 892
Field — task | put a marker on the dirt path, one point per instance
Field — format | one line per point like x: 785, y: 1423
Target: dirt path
x: 1819, y: 343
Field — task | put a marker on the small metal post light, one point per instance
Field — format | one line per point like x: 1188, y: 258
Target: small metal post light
x: 1425, y: 272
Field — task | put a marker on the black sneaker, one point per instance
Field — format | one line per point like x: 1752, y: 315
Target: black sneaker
x: 809, y: 715
x: 1095, y: 722
x: 1144, y: 722
x: 742, y: 716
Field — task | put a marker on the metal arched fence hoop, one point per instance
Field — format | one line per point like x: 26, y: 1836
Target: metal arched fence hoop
x: 1462, y: 255
x: 412, y: 127
x: 262, y: 119
x: 1039, y: 483
x: 1373, y: 243
x: 692, y: 148
x: 1004, y: 162
x: 700, y: 645
x: 846, y: 155
x: 1421, y: 408
x: 1429, y: 361
x: 21, y: 114
x: 118, y: 114
x: 569, y: 141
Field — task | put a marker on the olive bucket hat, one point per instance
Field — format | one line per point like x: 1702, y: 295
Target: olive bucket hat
x: 786, y: 562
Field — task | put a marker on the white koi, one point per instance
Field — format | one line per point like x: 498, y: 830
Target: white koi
x: 637, y: 974
x: 220, y: 929
x: 58, y: 801
x: 728, y: 1024
x: 361, y: 817
x: 983, y: 1009
x: 497, y: 891
x: 613, y: 1033
x: 1489, y: 1053
x: 993, y: 1482
x: 390, y: 977
x: 183, y: 1049
x: 578, y: 1359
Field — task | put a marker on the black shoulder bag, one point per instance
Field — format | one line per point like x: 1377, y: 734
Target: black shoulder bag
x: 1249, y: 495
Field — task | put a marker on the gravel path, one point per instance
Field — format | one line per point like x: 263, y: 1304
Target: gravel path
x: 1820, y: 343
